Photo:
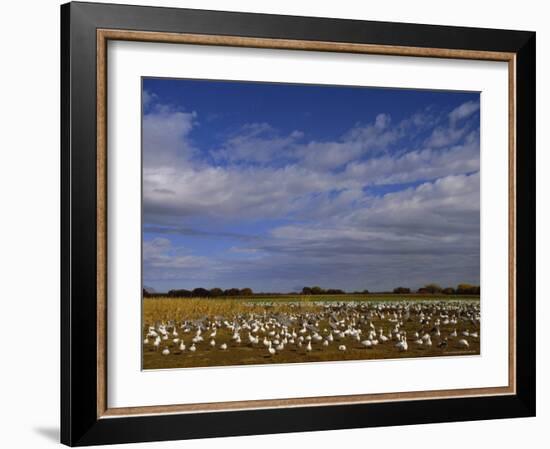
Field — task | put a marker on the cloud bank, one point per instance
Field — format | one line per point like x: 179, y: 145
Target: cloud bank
x: 388, y: 202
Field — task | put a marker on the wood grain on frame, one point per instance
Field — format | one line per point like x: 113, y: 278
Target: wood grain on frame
x: 512, y: 223
x: 101, y: 224
x: 103, y: 36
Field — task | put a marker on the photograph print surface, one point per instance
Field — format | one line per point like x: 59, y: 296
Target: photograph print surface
x: 291, y: 223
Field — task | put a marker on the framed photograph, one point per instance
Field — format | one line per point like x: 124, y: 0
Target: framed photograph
x: 282, y: 224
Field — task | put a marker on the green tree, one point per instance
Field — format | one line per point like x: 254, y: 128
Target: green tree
x: 402, y: 290
x: 247, y: 292
x: 467, y: 289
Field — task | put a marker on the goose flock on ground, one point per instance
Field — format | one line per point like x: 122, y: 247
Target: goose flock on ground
x: 398, y: 326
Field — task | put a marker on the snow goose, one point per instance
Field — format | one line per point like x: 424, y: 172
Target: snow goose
x: 367, y: 344
x: 402, y: 345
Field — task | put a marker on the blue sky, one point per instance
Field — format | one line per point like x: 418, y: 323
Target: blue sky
x: 278, y: 186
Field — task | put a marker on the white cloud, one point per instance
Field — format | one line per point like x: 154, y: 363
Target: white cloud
x: 161, y: 260
x: 417, y: 165
x: 337, y: 233
x: 166, y: 136
x: 258, y: 142
x: 463, y: 111
x: 159, y: 253
x: 177, y: 186
x: 230, y: 192
x: 422, y: 234
x: 148, y: 98
x: 261, y: 143
x: 455, y: 130
x: 444, y: 211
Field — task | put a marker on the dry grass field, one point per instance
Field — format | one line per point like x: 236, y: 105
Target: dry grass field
x: 199, y: 332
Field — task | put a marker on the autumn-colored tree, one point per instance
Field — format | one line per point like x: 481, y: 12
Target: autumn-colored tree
x: 467, y: 289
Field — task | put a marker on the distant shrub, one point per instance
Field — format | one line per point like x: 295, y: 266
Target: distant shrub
x: 467, y: 289
x: 433, y: 288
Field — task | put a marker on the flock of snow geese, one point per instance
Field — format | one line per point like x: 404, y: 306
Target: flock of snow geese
x: 398, y: 326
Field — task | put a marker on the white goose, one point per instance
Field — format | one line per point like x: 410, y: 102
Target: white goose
x: 156, y: 343
x: 382, y: 337
x: 367, y: 344
x: 253, y: 340
x: 402, y: 345
x: 427, y: 339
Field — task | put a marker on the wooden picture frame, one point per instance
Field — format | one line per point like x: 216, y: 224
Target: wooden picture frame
x: 86, y: 29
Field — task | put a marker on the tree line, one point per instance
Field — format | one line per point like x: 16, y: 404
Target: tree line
x: 461, y: 289
x: 202, y: 293
x: 316, y: 290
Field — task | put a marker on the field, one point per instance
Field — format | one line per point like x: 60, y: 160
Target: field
x: 198, y: 332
